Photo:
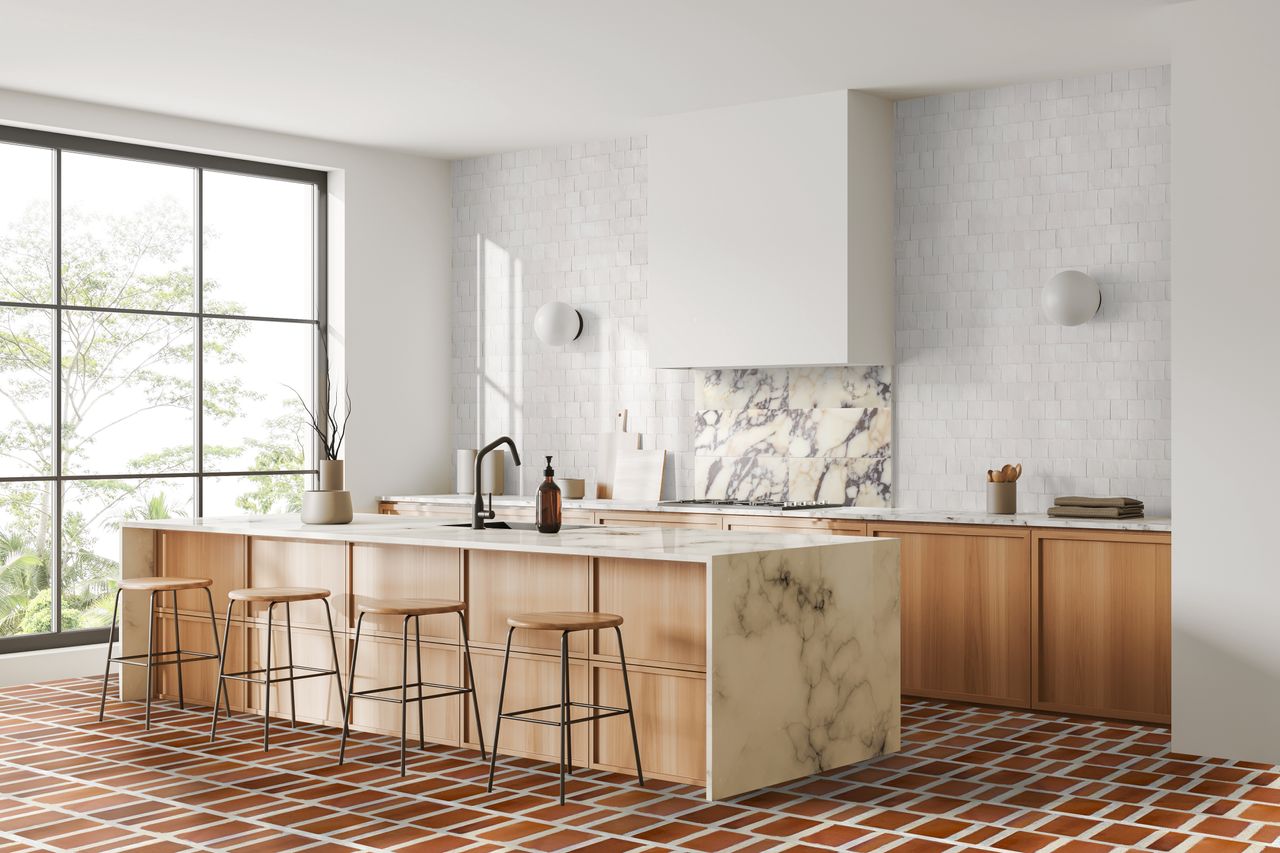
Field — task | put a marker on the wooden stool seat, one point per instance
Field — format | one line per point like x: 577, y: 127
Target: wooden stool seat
x: 412, y: 607
x: 564, y: 621
x: 164, y: 584
x: 278, y: 593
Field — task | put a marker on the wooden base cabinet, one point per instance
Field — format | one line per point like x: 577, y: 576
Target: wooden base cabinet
x: 1102, y: 631
x: 966, y: 622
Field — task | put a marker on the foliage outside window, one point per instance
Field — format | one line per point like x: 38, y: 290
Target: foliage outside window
x: 145, y: 368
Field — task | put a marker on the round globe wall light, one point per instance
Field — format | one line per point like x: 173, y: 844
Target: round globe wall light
x: 557, y: 323
x: 1071, y: 297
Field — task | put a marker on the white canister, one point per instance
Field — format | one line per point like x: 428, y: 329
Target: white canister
x: 464, y: 478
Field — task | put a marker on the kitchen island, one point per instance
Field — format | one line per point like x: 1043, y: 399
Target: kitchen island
x: 755, y: 658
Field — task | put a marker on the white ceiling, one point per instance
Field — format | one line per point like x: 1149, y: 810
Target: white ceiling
x: 472, y: 76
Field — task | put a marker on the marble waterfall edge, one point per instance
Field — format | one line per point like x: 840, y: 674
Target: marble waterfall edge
x: 809, y: 636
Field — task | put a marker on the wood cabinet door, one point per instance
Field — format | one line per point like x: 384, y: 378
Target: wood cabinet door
x: 664, y: 604
x: 217, y: 556
x: 406, y: 571
x: 1103, y: 632
x: 966, y: 615
x: 501, y: 584
x: 671, y: 722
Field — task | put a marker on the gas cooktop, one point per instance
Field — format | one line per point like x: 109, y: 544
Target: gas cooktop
x: 751, y: 504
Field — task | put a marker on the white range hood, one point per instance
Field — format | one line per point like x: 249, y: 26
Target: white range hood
x: 771, y: 234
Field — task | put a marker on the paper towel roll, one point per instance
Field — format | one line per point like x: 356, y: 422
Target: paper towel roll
x: 494, y: 472
x: 465, y: 477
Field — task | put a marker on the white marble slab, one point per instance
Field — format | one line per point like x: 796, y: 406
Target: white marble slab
x: 641, y: 543
x: 1158, y: 524
x: 804, y: 647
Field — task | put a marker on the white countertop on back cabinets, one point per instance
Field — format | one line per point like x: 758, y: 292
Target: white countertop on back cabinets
x: 1153, y: 524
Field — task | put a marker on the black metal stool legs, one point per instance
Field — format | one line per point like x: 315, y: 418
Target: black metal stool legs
x: 151, y: 652
x: 626, y: 687
x: 565, y: 706
x: 337, y: 667
x: 351, y: 689
x: 266, y: 689
x: 217, y: 649
x: 497, y: 724
x: 222, y: 691
x: 471, y: 682
x: 417, y: 639
x: 111, y: 636
x: 404, y: 690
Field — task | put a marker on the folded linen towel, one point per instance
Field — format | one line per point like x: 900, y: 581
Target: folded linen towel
x: 1074, y: 500
x: 1094, y: 512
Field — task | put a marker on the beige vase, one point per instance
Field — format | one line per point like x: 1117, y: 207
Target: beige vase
x: 330, y: 504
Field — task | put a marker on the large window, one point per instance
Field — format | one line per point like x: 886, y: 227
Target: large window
x: 160, y: 314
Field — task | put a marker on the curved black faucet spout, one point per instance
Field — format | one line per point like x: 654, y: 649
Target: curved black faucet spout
x: 480, y: 514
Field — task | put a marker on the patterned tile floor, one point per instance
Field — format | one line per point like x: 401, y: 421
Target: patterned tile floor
x: 967, y: 778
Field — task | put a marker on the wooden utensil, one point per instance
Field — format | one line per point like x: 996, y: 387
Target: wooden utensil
x: 1007, y: 473
x: 991, y: 476
x: 1017, y: 475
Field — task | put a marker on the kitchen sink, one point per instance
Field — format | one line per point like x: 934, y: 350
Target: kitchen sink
x: 519, y: 525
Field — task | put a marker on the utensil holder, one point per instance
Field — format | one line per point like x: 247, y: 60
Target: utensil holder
x: 1002, y: 498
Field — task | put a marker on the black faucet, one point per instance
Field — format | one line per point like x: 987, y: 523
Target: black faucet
x: 478, y: 517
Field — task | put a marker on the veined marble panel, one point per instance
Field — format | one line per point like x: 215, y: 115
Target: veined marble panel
x: 839, y: 433
x: 807, y: 433
x: 793, y: 388
x: 809, y: 637
x: 865, y: 481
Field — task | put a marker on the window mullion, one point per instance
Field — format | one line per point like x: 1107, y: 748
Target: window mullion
x: 197, y: 396
x: 55, y: 490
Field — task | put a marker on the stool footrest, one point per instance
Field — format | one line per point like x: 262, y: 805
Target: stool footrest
x: 184, y: 656
x: 450, y: 690
x: 309, y: 672
x: 609, y: 711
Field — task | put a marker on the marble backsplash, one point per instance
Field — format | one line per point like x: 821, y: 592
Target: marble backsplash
x: 809, y: 433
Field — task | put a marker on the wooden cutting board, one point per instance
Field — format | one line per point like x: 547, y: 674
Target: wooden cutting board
x: 607, y: 452
x: 637, y: 474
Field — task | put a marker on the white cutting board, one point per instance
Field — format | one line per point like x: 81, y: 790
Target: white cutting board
x: 637, y: 474
x: 607, y: 452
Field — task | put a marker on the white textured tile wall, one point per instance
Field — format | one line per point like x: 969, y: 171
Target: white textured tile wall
x: 997, y: 191
x: 562, y: 224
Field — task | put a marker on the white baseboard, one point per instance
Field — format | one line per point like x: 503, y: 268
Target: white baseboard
x: 50, y: 664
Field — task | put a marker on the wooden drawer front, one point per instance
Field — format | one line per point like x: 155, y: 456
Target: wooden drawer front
x: 287, y: 562
x: 533, y: 680
x: 199, y: 678
x: 406, y: 571
x: 219, y: 557
x: 671, y: 718
x: 380, y: 666
x: 503, y: 583
x: 659, y: 519
x: 966, y: 621
x: 317, y: 697
x: 776, y: 524
x: 1104, y: 632
x: 453, y: 512
x: 665, y: 608
x: 849, y: 528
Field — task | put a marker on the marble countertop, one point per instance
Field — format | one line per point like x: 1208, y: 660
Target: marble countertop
x: 1155, y: 524
x: 642, y: 543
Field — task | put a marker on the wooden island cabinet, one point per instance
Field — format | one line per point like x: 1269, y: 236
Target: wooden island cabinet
x: 1067, y: 619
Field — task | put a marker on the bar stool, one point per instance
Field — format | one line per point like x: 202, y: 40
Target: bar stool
x: 409, y: 609
x: 566, y: 623
x: 271, y: 596
x: 155, y: 586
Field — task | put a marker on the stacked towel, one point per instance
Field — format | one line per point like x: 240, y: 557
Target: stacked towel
x: 1074, y: 506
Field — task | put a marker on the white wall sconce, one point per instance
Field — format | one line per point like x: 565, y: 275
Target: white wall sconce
x: 557, y: 323
x: 1071, y: 297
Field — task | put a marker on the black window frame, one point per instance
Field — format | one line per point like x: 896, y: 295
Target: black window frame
x: 199, y: 163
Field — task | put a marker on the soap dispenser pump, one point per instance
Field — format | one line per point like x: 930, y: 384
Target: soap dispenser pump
x: 548, y: 507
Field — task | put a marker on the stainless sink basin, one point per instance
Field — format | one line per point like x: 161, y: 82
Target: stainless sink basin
x: 518, y: 525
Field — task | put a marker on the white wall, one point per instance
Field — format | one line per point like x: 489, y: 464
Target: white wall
x: 389, y: 224
x: 1226, y: 573
x: 998, y: 190
x: 568, y: 224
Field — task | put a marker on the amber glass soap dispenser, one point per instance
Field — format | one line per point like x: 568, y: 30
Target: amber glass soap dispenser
x: 548, y: 505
